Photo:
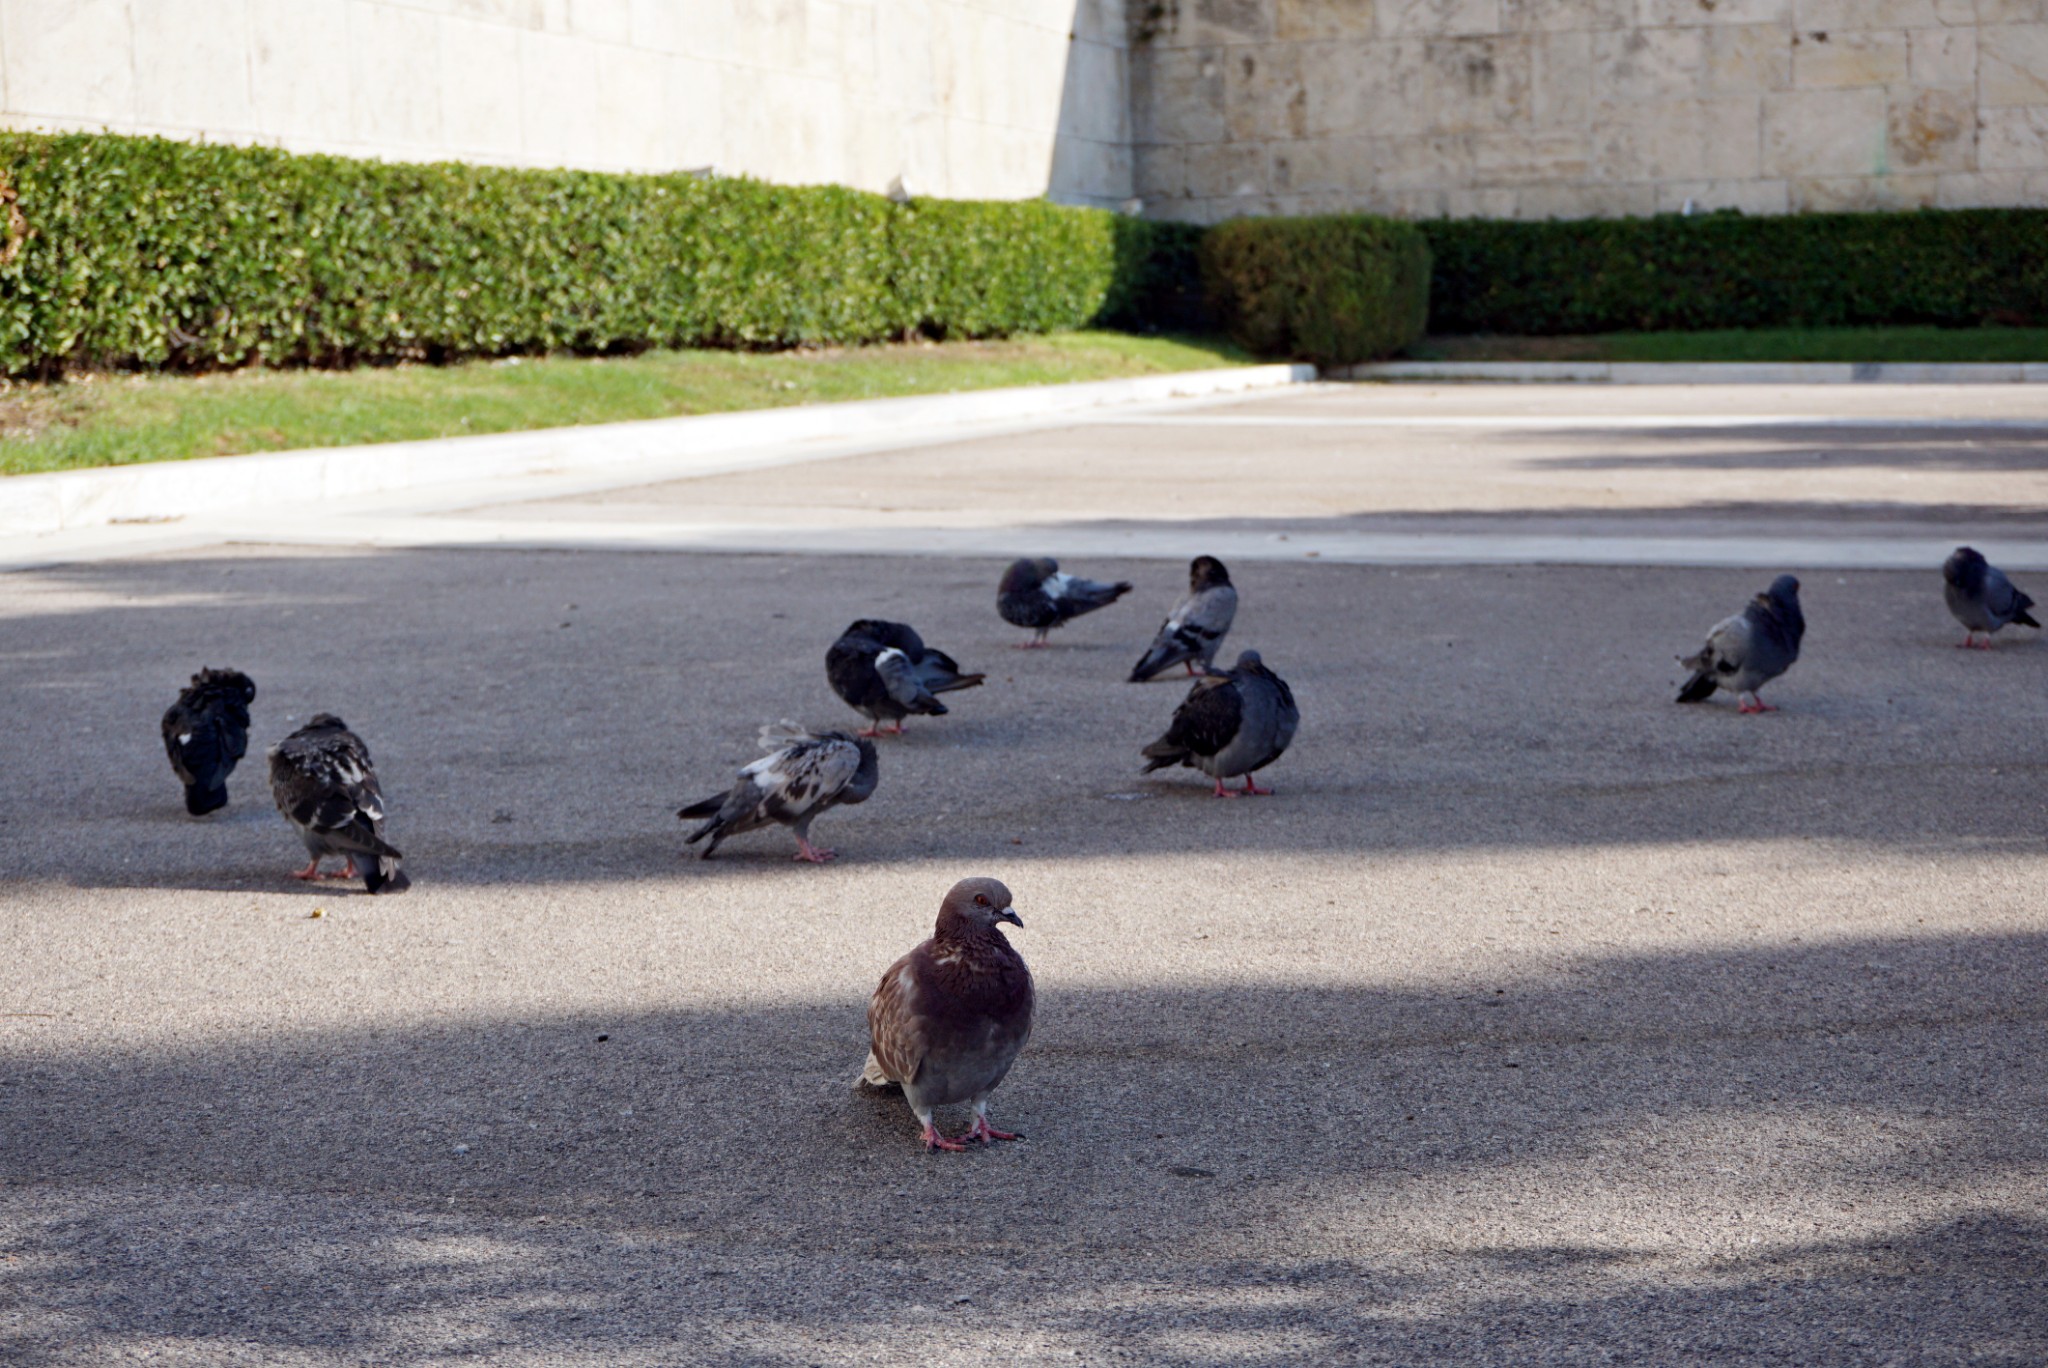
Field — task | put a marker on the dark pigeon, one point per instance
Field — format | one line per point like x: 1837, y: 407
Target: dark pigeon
x: 1035, y: 594
x: 1981, y: 597
x: 1195, y: 628
x: 206, y: 733
x: 1745, y: 652
x: 804, y: 775
x: 326, y: 787
x: 947, y: 1020
x: 1229, y: 725
x: 885, y: 671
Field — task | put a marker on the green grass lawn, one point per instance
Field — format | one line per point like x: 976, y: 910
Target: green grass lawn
x: 120, y: 419
x: 1762, y: 344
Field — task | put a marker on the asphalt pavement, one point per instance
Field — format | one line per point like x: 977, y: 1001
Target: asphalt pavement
x: 1535, y: 1019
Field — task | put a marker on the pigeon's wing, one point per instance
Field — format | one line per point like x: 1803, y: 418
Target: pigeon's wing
x: 901, y: 681
x: 897, y: 1036
x: 2003, y: 598
x: 1205, y: 722
x: 331, y: 789
x: 802, y: 777
x: 941, y: 673
x: 1072, y: 596
x: 1724, y: 655
x: 1191, y: 632
x: 1208, y: 615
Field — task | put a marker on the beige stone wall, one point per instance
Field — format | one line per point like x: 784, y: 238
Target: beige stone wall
x: 1566, y: 108
x: 995, y: 98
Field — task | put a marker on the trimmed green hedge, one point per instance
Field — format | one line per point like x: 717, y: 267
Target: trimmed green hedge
x: 1953, y: 268
x: 1333, y: 289
x: 157, y: 253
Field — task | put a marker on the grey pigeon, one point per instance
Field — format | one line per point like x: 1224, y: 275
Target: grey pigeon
x: 326, y: 787
x: 1035, y: 594
x: 804, y: 775
x: 1745, y: 652
x: 1981, y: 597
x: 884, y: 670
x: 1229, y: 725
x: 947, y: 1020
x: 206, y: 732
x: 1195, y: 628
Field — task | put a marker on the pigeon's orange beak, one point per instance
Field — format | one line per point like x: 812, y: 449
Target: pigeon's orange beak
x: 1009, y: 914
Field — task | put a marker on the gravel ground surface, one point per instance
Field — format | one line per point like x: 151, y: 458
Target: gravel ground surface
x: 1534, y: 1020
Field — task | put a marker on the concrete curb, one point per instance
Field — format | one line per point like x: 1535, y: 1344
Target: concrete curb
x: 1704, y: 373
x: 167, y: 490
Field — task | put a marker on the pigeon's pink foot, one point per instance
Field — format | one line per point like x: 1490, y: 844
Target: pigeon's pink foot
x: 814, y: 854
x: 309, y: 873
x: 935, y: 1141
x: 1754, y: 705
x: 1222, y: 792
x: 1251, y: 786
x: 981, y: 1130
x: 1985, y: 644
x: 1191, y: 666
x: 877, y: 731
x: 1968, y: 643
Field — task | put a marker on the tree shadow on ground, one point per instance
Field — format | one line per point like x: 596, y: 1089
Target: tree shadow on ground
x: 1821, y: 1153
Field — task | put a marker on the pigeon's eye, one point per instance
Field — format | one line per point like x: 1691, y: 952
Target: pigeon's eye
x: 981, y: 899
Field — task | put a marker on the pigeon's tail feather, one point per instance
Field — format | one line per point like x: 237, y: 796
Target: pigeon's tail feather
x: 1151, y: 663
x: 707, y: 807
x: 1163, y: 754
x: 2020, y: 614
x: 382, y: 874
x: 871, y: 1075
x: 200, y: 800
x: 1697, y: 689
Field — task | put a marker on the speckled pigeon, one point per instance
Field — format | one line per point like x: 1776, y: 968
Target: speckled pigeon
x: 884, y: 670
x: 947, y: 1020
x: 1981, y: 597
x: 206, y: 732
x: 804, y: 775
x: 1035, y: 594
x: 1195, y: 628
x: 1230, y: 725
x: 326, y: 787
x: 1745, y: 652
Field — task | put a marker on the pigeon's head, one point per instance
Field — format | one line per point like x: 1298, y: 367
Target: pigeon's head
x: 228, y: 681
x: 1785, y: 589
x: 1249, y: 659
x: 1022, y: 575
x: 980, y: 903
x: 324, y: 722
x: 1963, y: 564
x: 1206, y: 572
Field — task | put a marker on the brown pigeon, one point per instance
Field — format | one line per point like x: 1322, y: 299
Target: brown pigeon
x: 948, y: 1019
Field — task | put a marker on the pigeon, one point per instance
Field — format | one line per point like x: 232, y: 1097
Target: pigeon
x: 1230, y: 725
x: 804, y: 774
x: 1981, y: 597
x: 324, y: 785
x: 885, y: 670
x: 1747, y: 651
x: 947, y: 1020
x: 1035, y: 594
x: 1195, y: 629
x: 206, y: 732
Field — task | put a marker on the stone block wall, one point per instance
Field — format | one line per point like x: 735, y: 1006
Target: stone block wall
x: 974, y: 98
x: 1570, y: 108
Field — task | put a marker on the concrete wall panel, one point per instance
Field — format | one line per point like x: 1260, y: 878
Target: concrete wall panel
x: 1000, y: 98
